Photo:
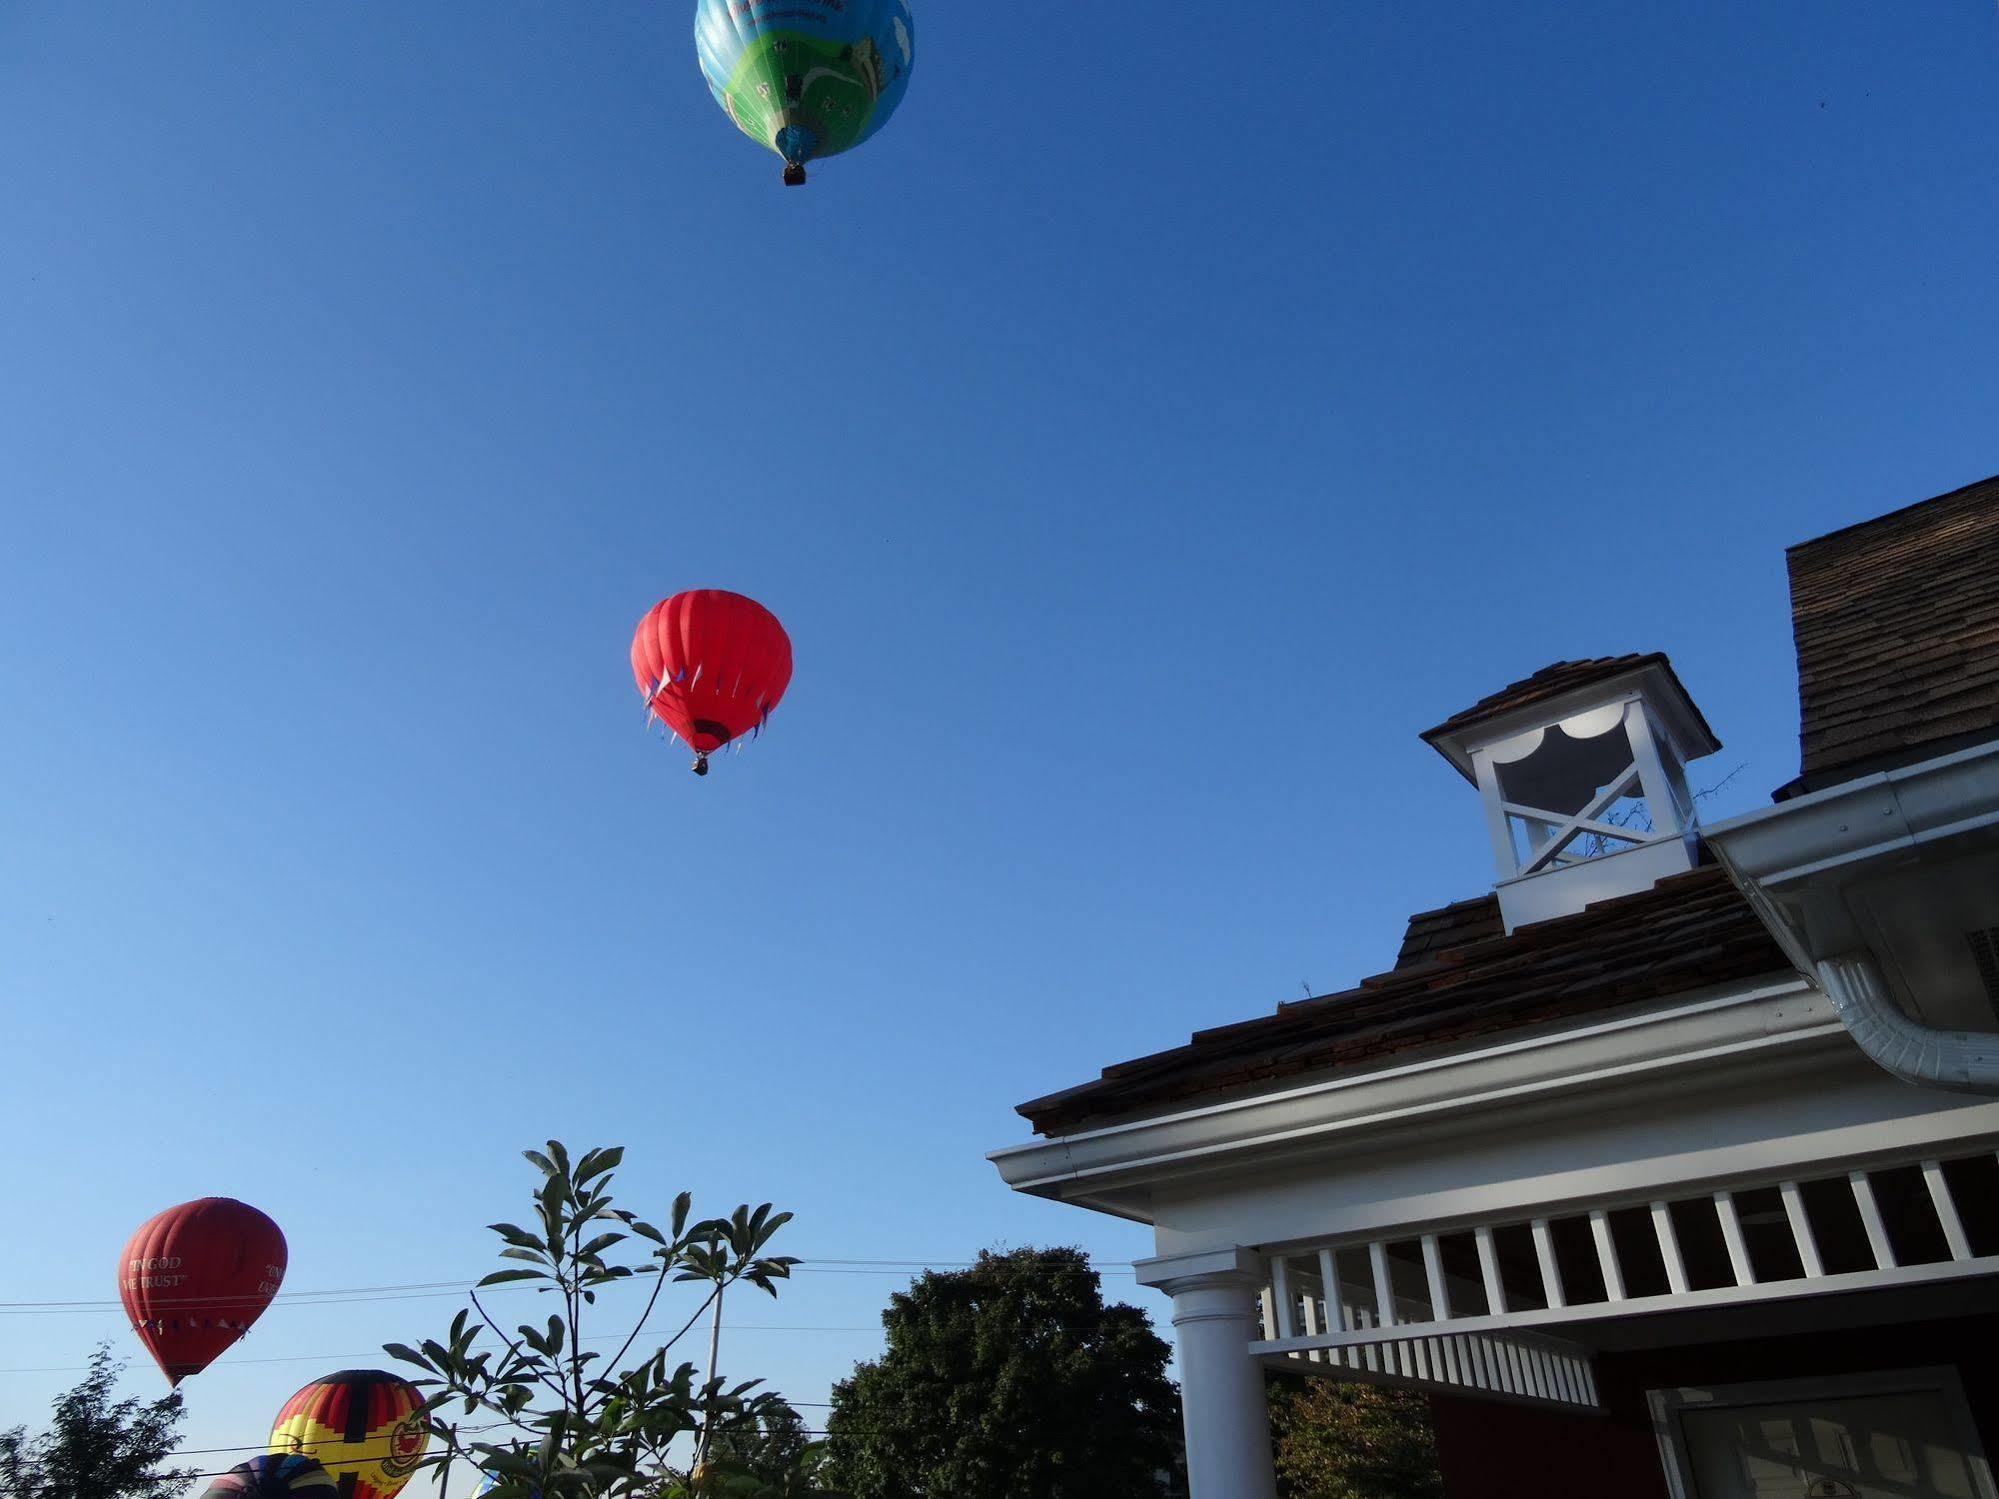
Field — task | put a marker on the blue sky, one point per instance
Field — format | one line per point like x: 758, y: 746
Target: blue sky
x: 1143, y: 438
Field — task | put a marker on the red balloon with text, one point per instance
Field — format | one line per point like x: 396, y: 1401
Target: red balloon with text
x: 711, y: 666
x: 195, y: 1277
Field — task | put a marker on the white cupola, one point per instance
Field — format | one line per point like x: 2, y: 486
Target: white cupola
x: 1582, y: 768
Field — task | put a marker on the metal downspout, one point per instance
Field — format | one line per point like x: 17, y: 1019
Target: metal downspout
x: 1960, y: 1061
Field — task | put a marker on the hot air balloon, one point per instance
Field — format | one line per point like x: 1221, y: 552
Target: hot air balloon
x: 268, y: 1476
x: 364, y: 1426
x: 711, y: 666
x: 807, y: 78
x: 195, y: 1277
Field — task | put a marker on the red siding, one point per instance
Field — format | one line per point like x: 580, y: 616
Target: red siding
x: 1493, y: 1451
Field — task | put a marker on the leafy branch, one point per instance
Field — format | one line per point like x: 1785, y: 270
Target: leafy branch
x: 587, y: 1428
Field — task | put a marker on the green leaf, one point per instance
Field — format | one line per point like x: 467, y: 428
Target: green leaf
x: 501, y: 1277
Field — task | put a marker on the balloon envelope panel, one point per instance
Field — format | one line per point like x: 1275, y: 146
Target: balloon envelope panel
x: 363, y: 1425
x: 194, y: 1278
x: 711, y: 665
x: 807, y: 78
x: 271, y: 1476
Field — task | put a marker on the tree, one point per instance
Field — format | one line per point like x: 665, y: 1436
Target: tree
x: 97, y: 1448
x: 578, y: 1424
x: 1010, y: 1380
x: 768, y: 1455
x: 1338, y: 1440
x: 769, y: 1445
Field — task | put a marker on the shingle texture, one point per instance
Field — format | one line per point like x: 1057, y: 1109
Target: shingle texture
x: 1552, y: 682
x: 1897, y: 626
x: 1549, y: 681
x: 1683, y: 934
x: 1432, y: 932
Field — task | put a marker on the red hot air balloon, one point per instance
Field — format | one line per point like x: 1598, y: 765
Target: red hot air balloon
x: 711, y: 666
x: 195, y: 1277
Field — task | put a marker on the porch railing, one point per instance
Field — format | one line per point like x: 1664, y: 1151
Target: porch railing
x: 1483, y: 1306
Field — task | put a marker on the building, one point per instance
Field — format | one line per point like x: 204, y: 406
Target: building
x: 1667, y: 1167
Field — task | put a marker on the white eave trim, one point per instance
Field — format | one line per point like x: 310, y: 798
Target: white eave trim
x: 1743, y: 1022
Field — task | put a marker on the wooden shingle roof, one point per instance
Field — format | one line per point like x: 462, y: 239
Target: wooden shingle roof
x: 1685, y: 933
x: 1448, y: 927
x: 1566, y: 679
x: 1897, y: 627
x: 1549, y: 681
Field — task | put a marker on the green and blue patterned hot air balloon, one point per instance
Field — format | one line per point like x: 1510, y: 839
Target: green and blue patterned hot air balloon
x: 274, y: 1476
x: 807, y: 78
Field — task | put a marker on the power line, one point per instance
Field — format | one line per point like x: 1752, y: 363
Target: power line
x: 334, y: 1358
x: 433, y: 1289
x: 422, y: 1285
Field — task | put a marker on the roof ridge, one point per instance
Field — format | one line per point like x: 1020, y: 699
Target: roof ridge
x: 1891, y: 515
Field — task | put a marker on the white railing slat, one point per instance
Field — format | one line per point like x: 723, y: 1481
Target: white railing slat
x: 1551, y: 1273
x: 1801, y: 1230
x: 1280, y: 1287
x: 1731, y: 1233
x: 1384, y: 1291
x: 1364, y: 1320
x: 1433, y: 1272
x: 1488, y: 1268
x: 1669, y: 1249
x: 1308, y: 1313
x: 1946, y: 1206
x: 1870, y: 1219
x: 1329, y: 1274
x: 1606, y: 1255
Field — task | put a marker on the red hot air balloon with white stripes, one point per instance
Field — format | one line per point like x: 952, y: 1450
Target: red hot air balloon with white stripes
x: 194, y: 1278
x: 711, y: 665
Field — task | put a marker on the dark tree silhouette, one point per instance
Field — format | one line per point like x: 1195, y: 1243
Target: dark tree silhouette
x: 97, y: 1447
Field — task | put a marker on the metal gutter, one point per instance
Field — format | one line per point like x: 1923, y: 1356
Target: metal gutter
x: 1777, y: 855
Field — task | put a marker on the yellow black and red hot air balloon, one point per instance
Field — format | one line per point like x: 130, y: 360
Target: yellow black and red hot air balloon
x: 365, y: 1427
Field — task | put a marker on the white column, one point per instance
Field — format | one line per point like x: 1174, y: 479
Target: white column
x: 1221, y: 1386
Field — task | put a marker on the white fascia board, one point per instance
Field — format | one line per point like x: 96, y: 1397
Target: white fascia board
x: 1348, y: 1113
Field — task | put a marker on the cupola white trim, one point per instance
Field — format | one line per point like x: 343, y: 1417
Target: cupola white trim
x: 1585, y: 791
